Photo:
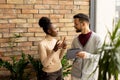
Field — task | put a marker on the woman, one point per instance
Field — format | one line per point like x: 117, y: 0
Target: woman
x: 51, y: 51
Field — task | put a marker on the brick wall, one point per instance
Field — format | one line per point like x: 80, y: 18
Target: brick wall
x: 20, y: 17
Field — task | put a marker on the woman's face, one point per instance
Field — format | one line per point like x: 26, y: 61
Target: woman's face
x: 53, y: 31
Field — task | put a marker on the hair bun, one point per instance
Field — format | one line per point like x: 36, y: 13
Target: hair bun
x: 44, y: 21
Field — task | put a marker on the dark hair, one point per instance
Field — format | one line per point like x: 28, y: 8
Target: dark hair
x: 45, y: 23
x: 82, y: 17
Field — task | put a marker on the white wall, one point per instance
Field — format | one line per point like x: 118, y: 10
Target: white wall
x: 105, y: 14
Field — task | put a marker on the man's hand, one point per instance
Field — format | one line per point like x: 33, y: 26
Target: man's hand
x: 81, y: 54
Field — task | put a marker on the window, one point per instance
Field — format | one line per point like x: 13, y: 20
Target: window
x: 102, y: 14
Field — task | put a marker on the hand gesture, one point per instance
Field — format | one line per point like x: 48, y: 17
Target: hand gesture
x: 57, y: 46
x: 63, y: 44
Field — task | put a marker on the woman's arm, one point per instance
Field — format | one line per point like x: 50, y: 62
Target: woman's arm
x: 45, y: 59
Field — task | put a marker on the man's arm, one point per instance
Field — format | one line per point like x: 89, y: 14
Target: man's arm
x: 84, y: 54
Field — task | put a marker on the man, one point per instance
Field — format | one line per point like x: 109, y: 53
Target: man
x: 85, y: 47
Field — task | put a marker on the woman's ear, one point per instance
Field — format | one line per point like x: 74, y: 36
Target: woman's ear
x: 49, y: 31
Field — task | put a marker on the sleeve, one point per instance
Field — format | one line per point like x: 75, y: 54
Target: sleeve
x: 62, y: 53
x: 44, y: 58
x: 98, y: 45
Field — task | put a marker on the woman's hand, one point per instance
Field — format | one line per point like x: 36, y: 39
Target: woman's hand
x: 60, y: 45
x: 57, y: 46
x: 64, y: 44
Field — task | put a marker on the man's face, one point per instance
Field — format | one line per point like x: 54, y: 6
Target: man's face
x: 77, y: 25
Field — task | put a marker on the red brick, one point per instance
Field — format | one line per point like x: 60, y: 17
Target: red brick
x: 76, y: 7
x: 32, y: 20
x: 10, y: 54
x: 69, y: 7
x: 21, y: 39
x: 4, y: 30
x: 25, y: 44
x: 62, y: 33
x: 37, y: 25
x: 80, y: 11
x: 2, y: 50
x: 34, y: 39
x: 59, y: 24
x: 67, y: 29
x: 55, y: 20
x: 29, y: 1
x: 42, y: 6
x: 82, y: 7
x: 56, y: 16
x: 6, y: 58
x: 45, y: 11
x: 34, y: 29
x: 17, y: 20
x: 65, y: 20
x: 18, y: 29
x: 25, y: 15
x: 25, y: 48
x: 3, y: 40
x: 10, y: 11
x: 2, y: 26
x: 69, y: 24
x: 40, y: 34
x: 24, y: 6
x: 7, y: 16
x: 7, y: 6
x: 3, y: 21
x: 34, y: 48
x: 72, y: 33
x: 29, y: 11
x: 66, y: 2
x: 81, y: 2
x: 33, y: 52
x: 40, y: 15
x: 6, y: 35
x: 62, y: 11
x: 5, y: 45
x: 24, y: 25
x: 27, y: 34
x: 50, y: 1
x: 2, y: 1
x: 58, y: 7
x: 15, y: 1
x: 38, y: 2
x: 70, y: 16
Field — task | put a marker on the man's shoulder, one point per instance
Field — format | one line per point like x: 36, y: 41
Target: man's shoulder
x: 96, y: 37
x: 95, y: 34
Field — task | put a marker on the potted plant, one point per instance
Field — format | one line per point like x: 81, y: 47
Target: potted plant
x: 16, y: 68
x: 109, y: 62
x: 66, y: 67
x: 37, y: 66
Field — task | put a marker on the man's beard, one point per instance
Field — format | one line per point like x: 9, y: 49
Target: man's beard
x: 77, y: 30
